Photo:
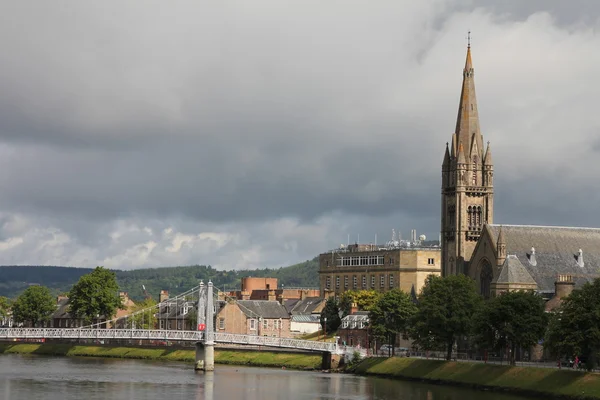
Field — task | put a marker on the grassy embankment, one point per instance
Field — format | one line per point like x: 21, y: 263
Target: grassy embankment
x: 241, y: 357
x: 548, y: 382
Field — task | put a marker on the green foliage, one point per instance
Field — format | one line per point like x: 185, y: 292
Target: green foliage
x: 391, y: 315
x: 34, y: 305
x: 445, y: 310
x: 15, y: 279
x: 95, y: 295
x: 180, y: 279
x: 513, y: 319
x: 143, y: 320
x: 331, y: 312
x: 575, y: 328
x: 364, y: 299
x: 5, y: 305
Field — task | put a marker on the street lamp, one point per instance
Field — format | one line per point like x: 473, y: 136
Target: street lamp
x: 324, y: 328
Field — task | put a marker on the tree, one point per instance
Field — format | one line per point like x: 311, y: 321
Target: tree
x: 331, y: 312
x: 95, y: 294
x: 574, y: 329
x: 143, y: 315
x: 444, y: 312
x: 5, y: 305
x: 512, y: 320
x: 391, y: 315
x: 364, y: 299
x: 34, y: 305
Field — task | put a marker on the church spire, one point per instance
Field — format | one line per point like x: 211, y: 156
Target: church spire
x: 488, y: 155
x: 467, y: 121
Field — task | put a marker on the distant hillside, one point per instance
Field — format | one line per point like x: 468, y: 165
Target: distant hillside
x: 15, y: 279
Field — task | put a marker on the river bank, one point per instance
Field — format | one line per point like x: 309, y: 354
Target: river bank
x: 222, y: 356
x: 543, y: 382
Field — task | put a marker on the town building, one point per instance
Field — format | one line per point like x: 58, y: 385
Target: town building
x: 62, y: 317
x: 305, y: 314
x: 395, y: 265
x: 355, y: 330
x: 502, y: 257
x: 255, y: 288
x: 253, y: 317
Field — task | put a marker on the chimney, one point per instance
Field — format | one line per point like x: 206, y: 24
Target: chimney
x: 303, y: 294
x: 124, y: 296
x: 245, y: 295
x: 353, y: 308
x: 164, y: 295
x: 61, y: 297
x: 271, y: 295
x: 563, y: 286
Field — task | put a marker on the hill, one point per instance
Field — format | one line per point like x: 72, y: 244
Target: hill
x: 15, y: 279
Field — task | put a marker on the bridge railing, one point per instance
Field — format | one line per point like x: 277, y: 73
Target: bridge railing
x: 149, y: 334
x: 78, y: 333
x: 270, y: 341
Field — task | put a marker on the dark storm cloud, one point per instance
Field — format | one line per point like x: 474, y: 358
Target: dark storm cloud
x: 256, y: 135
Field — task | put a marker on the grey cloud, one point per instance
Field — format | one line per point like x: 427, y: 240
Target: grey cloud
x: 262, y: 135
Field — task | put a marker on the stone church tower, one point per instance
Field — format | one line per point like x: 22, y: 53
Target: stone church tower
x: 467, y: 182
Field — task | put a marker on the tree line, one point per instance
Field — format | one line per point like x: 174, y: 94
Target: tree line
x: 449, y: 311
x: 15, y: 279
x: 95, y: 295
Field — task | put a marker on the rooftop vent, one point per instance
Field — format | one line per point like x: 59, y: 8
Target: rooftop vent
x: 531, y: 257
x: 579, y: 258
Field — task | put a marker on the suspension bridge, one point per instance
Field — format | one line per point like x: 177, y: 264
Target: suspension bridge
x: 144, y: 325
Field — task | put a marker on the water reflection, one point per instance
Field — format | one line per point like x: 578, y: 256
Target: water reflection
x: 76, y: 378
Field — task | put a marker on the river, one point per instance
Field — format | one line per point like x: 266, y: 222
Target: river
x: 30, y: 377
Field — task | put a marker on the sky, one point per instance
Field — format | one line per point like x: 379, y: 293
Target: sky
x: 259, y: 134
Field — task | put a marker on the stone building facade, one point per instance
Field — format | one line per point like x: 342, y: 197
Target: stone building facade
x: 254, y: 317
x: 467, y: 182
x: 363, y: 267
x: 528, y: 257
x: 253, y: 288
x: 502, y: 257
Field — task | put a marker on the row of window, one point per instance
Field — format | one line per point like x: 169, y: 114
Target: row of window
x: 254, y: 323
x: 361, y: 260
x: 354, y: 324
x: 162, y: 325
x: 382, y: 281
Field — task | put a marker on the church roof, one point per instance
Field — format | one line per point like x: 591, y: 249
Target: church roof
x: 514, y: 272
x: 547, y: 251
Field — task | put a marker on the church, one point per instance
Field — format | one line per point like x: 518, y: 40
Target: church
x: 550, y: 260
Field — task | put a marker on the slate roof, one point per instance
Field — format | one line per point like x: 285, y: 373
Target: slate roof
x: 314, y: 318
x: 263, y: 308
x: 360, y: 320
x: 306, y: 306
x: 62, y: 308
x: 175, y: 308
x: 289, y: 304
x: 556, y: 250
x: 514, y: 272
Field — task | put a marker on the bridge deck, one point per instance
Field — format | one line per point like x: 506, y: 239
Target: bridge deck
x: 145, y: 334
